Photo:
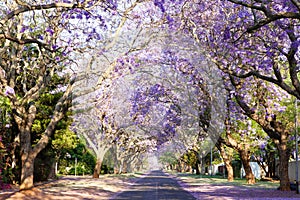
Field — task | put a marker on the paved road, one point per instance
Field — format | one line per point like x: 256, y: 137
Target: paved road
x: 155, y: 186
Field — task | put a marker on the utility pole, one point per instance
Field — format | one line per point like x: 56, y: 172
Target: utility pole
x: 296, y: 138
x: 211, y: 159
x: 75, y: 166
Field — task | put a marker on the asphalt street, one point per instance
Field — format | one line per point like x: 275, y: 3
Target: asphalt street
x: 155, y: 186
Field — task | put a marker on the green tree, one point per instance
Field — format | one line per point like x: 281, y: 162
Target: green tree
x: 190, y: 158
x: 63, y: 141
x: 81, y: 156
x: 168, y: 159
x: 62, y: 138
x: 9, y: 158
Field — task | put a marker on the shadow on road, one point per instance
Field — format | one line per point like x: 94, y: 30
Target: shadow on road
x: 155, y: 186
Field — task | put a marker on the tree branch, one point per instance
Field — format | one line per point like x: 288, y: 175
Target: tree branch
x: 59, y: 112
x: 270, y: 17
x: 26, y: 8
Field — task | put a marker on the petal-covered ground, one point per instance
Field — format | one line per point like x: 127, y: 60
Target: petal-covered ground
x: 74, y: 188
x: 108, y: 186
x: 212, y: 189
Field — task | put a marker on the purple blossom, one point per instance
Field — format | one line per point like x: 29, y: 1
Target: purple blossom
x: 270, y: 53
x: 292, y: 138
x: 86, y: 14
x: 40, y: 37
x: 242, y: 13
x: 9, y: 91
x: 23, y: 29
x: 295, y: 45
x: 54, y: 47
x: 160, y: 4
x: 50, y: 31
x: 170, y: 19
x: 262, y: 146
x: 79, y: 16
x: 227, y: 34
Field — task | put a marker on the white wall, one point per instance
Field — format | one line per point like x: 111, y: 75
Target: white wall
x: 255, y: 170
x: 292, y: 170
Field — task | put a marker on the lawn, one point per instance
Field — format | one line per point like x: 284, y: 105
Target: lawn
x: 217, y: 187
x: 194, y: 179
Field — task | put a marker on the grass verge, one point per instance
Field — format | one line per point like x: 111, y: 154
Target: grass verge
x: 194, y: 179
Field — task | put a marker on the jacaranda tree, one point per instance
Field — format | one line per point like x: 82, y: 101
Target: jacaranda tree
x: 248, y: 40
x: 35, y: 42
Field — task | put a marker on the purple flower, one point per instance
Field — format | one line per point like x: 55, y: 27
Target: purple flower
x: 227, y: 34
x: 262, y: 146
x: 170, y: 19
x: 160, y: 4
x: 242, y: 13
x: 50, y: 31
x: 86, y: 14
x: 9, y: 91
x: 295, y: 45
x: 79, y: 16
x: 23, y: 29
x: 40, y: 37
x: 54, y: 47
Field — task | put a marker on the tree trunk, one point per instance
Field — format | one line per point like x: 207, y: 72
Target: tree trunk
x: 24, y: 119
x: 97, y: 169
x: 228, y: 166
x: 121, y: 167
x: 227, y: 160
x: 52, y: 174
x: 283, y: 165
x: 246, y: 164
x: 272, y: 163
x: 27, y: 155
x: 197, y: 167
x: 183, y: 167
x: 202, y: 159
x: 27, y: 171
x: 229, y: 169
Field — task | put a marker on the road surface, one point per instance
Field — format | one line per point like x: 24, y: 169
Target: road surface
x: 155, y: 186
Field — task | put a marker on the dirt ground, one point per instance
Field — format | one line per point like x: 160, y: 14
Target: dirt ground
x: 73, y: 188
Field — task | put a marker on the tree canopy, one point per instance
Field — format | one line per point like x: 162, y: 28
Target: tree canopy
x: 144, y: 76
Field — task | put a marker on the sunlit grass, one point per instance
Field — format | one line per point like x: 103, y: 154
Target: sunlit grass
x: 194, y: 179
x: 125, y: 175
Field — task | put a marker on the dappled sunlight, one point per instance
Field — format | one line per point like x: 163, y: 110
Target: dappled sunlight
x: 32, y: 194
x: 235, y: 192
x: 74, y: 188
x: 156, y: 185
x: 218, y: 188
